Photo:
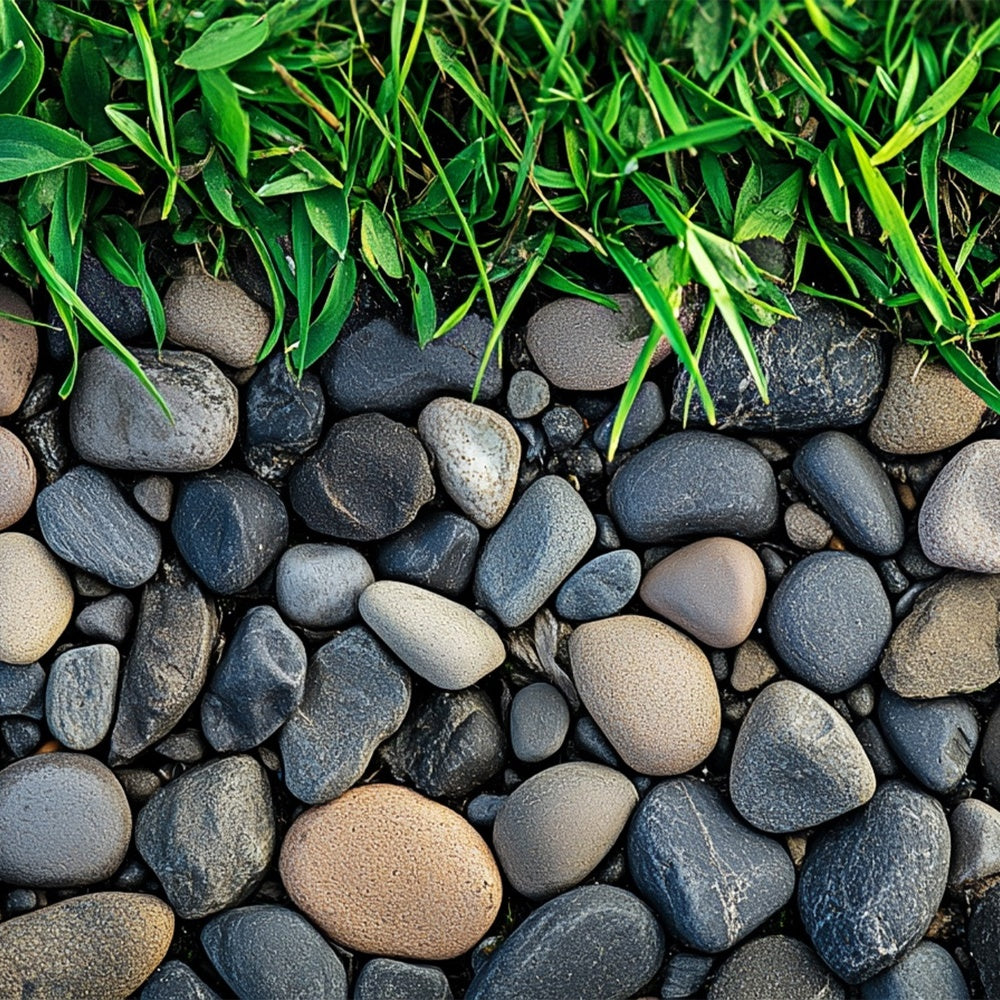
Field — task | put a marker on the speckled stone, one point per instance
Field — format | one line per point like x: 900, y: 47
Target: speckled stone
x: 102, y: 946
x: 109, y: 619
x: 18, y: 351
x: 925, y: 971
x: 389, y: 979
x: 975, y: 843
x: 601, y: 587
x: 21, y: 690
x: 385, y: 871
x: 36, y: 599
x: 319, y: 585
x: 753, y: 667
x: 539, y: 722
x: 774, y: 967
x: 438, y: 551
x: 17, y: 478
x: 644, y: 419
x: 175, y: 981
x: 805, y: 528
x: 80, y: 696
x: 651, y: 691
x: 527, y: 394
x: 984, y: 941
x: 155, y: 495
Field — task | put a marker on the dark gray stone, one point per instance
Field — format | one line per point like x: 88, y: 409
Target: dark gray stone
x: 829, y: 620
x: 356, y: 696
x: 110, y: 618
x: 934, y: 739
x: 318, y: 585
x: 22, y: 736
x: 563, y: 427
x: 882, y: 759
x: 601, y: 587
x: 824, y: 370
x: 685, y: 975
x: 185, y: 747
x: 452, y: 745
x: 85, y: 520
x: 527, y: 395
x: 772, y: 967
x: 644, y: 419
x: 229, y: 528
x: 870, y: 886
x: 208, y: 835
x: 367, y: 481
x: 21, y: 690
x: 258, y: 684
x: 388, y: 979
x: 589, y: 738
x: 539, y: 722
x: 926, y: 971
x: 80, y: 697
x: 694, y: 483
x: 984, y: 941
x: 175, y: 981
x: 155, y: 495
x: 265, y: 952
x: 438, y: 551
x: 596, y: 942
x: 482, y: 810
x: 380, y: 368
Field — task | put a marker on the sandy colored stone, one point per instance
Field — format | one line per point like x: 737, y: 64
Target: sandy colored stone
x: 98, y: 947
x: 17, y: 479
x: 713, y: 588
x: 924, y: 408
x: 386, y: 871
x: 651, y: 691
x: 18, y: 351
x: 753, y: 667
x: 806, y: 528
x: 36, y: 599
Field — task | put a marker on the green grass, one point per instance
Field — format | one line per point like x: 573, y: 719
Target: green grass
x: 475, y: 149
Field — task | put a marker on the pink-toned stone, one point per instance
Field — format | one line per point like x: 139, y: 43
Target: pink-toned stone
x: 17, y: 479
x: 18, y: 351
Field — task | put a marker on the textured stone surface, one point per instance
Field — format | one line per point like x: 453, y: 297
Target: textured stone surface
x: 805, y: 528
x: 437, y: 551
x: 155, y: 495
x: 527, y: 395
x: 773, y: 967
x: 175, y: 981
x: 926, y: 971
x: 389, y: 979
x: 319, y: 585
x: 110, y: 618
x: 975, y: 843
x: 753, y: 667
x: 17, y: 479
x: 80, y: 696
x: 21, y: 690
x: 984, y: 941
x: 539, y: 722
x: 601, y: 587
x: 18, y: 351
x: 644, y: 419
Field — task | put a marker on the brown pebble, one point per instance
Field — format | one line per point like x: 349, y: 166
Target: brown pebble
x: 753, y: 667
x: 49, y: 746
x: 18, y: 351
x: 17, y: 479
x: 836, y: 544
x: 906, y: 496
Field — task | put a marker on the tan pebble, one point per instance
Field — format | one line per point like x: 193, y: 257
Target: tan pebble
x: 18, y: 351
x: 49, y: 746
x: 807, y: 529
x: 36, y: 599
x: 651, y: 691
x: 836, y: 544
x: 713, y: 588
x: 796, y: 845
x: 906, y: 496
x: 386, y: 871
x: 753, y: 667
x: 17, y: 479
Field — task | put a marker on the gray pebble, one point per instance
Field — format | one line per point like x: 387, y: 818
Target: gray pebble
x: 21, y: 690
x: 438, y: 551
x: 563, y: 427
x: 527, y: 394
x: 607, y: 533
x: 861, y: 700
x: 389, y: 979
x: 155, y: 495
x: 926, y: 971
x: 80, y: 697
x: 318, y: 585
x: 975, y: 843
x: 882, y: 759
x: 185, y: 747
x: 601, y: 587
x: 175, y: 981
x: 685, y: 975
x: 774, y: 966
x: 539, y: 722
x: 984, y: 941
x: 22, y: 736
x: 590, y: 739
x: 644, y: 419
x: 482, y: 809
x: 138, y: 782
x: 109, y: 618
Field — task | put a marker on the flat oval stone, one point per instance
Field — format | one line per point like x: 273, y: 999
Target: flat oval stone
x: 101, y: 946
x: 438, y: 551
x: 796, y: 762
x: 385, y: 871
x: 713, y: 589
x: 319, y: 585
x: 650, y: 689
x: 870, y: 886
x: 536, y: 547
x: 601, y: 587
x: 114, y: 422
x: 80, y: 696
x: 829, y: 620
x: 17, y: 479
x: 774, y: 966
x: 64, y: 821
x: 444, y: 642
x: 925, y: 971
x: 389, y: 979
x: 18, y: 351
x: 694, y: 483
x: 597, y: 942
x: 539, y: 722
x: 555, y: 828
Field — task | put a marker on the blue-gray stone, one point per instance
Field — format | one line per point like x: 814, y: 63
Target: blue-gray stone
x: 21, y: 735
x: 80, y: 696
x: 644, y: 419
x: 109, y: 619
x: 563, y: 427
x: 926, y: 971
x: 882, y: 759
x: 318, y: 585
x: 601, y: 587
x: 389, y: 979
x: 829, y: 620
x: 685, y: 975
x: 357, y: 694
x: 589, y: 738
x: 774, y: 967
x: 438, y: 551
x: 935, y: 739
x: 229, y: 528
x: 482, y: 810
x: 694, y: 483
x: 527, y: 395
x: 265, y: 952
x: 596, y: 942
x: 711, y: 878
x: 86, y: 521
x: 534, y: 549
x: 175, y: 981
x: 846, y: 480
x: 870, y: 885
x: 984, y: 940
x: 539, y: 722
x: 257, y: 685
x: 21, y: 690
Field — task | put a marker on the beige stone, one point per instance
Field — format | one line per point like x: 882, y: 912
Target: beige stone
x: 753, y: 667
x: 807, y: 529
x: 17, y: 479
x: 651, y: 691
x: 386, y: 871
x: 18, y: 351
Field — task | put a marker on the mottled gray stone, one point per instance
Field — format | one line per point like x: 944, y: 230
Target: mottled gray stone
x: 318, y: 585
x: 80, y: 696
x: 685, y: 975
x: 110, y: 618
x: 539, y: 722
x: 527, y: 395
x: 926, y: 971
x: 563, y: 427
x: 389, y: 979
x: 155, y: 495
x: 601, y: 587
x: 644, y: 419
x: 21, y: 689
x: 22, y: 736
x: 175, y: 981
x: 438, y: 551
x: 984, y: 941
x: 774, y: 967
x: 805, y: 528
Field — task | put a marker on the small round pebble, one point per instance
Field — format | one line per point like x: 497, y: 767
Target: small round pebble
x: 975, y: 843
x: 527, y: 394
x: 80, y: 696
x: 539, y: 722
x: 109, y: 619
x: 319, y: 585
x: 17, y: 479
x: 753, y: 667
x: 925, y: 971
x: 601, y: 587
x: 805, y: 528
x: 155, y: 495
x: 389, y: 979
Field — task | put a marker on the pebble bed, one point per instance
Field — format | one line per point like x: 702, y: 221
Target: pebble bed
x: 355, y: 688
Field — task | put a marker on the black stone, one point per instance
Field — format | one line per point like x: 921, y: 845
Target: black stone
x: 644, y: 419
x: 175, y: 981
x: 438, y: 551
x: 22, y: 690
x: 388, y: 979
x: 563, y: 427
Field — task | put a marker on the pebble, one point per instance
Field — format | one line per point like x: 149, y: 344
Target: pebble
x: 80, y: 696
x: 580, y: 345
x: 438, y: 551
x: 155, y: 495
x: 367, y: 481
x: 925, y: 407
x: 651, y: 691
x: 934, y: 739
x: 356, y: 696
x: 101, y: 946
x: 774, y: 966
x: 870, y: 886
x: 109, y: 619
x: 959, y: 524
x: 975, y: 843
x: 269, y: 951
x: 527, y: 394
x: 796, y: 762
x: 452, y: 745
x: 984, y: 940
x: 694, y: 483
x: 925, y: 971
x: 990, y: 751
x: 601, y: 587
x: 208, y: 835
x: 114, y: 422
x: 590, y: 740
x: 217, y: 317
x: 829, y: 620
x: 555, y: 828
x: 646, y: 416
x: 805, y: 528
x: 21, y: 690
x: 548, y: 531
x: 596, y: 942
x: 712, y: 879
x: 753, y: 667
x: 139, y: 783
x: 318, y: 585
x: 18, y: 351
x: 22, y: 736
x: 385, y: 871
x: 17, y: 477
x: 482, y: 809
x: 563, y: 428
x: 539, y: 722
x: 64, y: 821
x: 186, y: 746
x: 477, y: 454
x: 36, y: 599
x: 175, y: 981
x: 713, y: 589
x: 387, y: 979
x: 846, y: 480
x: 229, y: 527
x: 257, y: 685
x: 685, y: 975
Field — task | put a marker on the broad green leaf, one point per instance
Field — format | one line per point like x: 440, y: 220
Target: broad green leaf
x: 330, y: 216
x: 28, y: 146
x: 226, y: 117
x: 224, y: 42
x: 17, y: 33
x: 328, y: 324
x: 424, y: 307
x: 11, y: 64
x: 220, y: 189
x: 975, y: 153
x: 293, y: 183
x: 708, y: 35
x: 773, y: 215
x: 378, y: 243
x: 86, y: 87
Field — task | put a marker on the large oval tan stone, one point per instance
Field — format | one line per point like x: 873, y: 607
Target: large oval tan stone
x: 18, y: 351
x: 713, y: 589
x: 98, y: 947
x: 17, y: 479
x: 386, y: 871
x: 651, y: 691
x: 36, y: 598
